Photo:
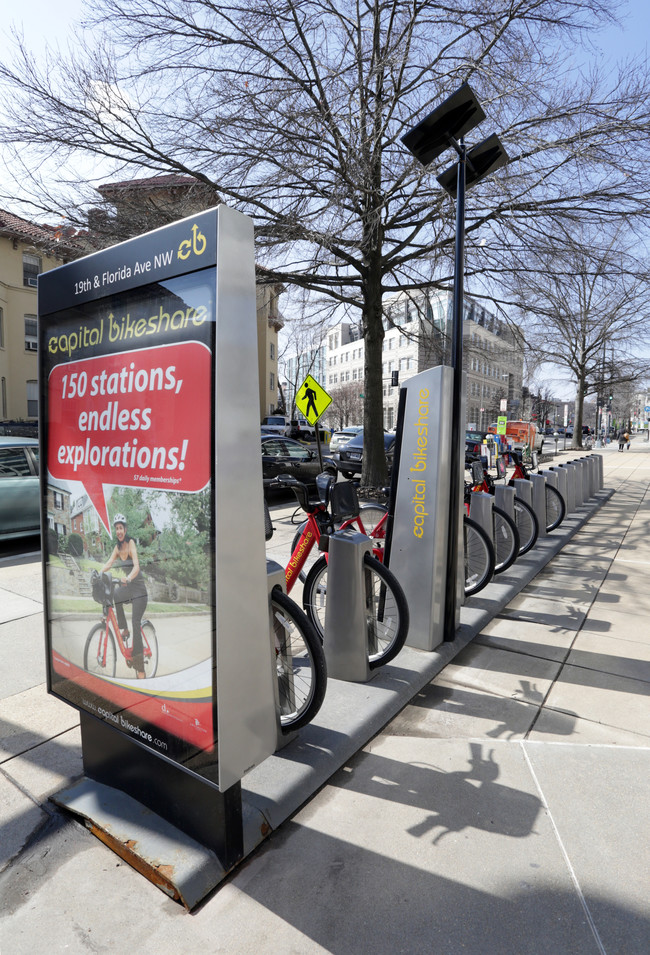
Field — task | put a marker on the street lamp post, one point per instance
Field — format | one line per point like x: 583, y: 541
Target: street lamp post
x: 442, y: 129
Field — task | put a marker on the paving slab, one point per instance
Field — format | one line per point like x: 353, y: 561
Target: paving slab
x: 14, y: 606
x: 613, y: 653
x: 520, y: 636
x: 554, y: 726
x: 514, y: 675
x: 566, y: 614
x: 22, y: 654
x: 21, y: 817
x: 42, y: 770
x: 627, y: 600
x: 30, y: 718
x: 600, y: 697
x: 443, y: 710
x: 603, y: 832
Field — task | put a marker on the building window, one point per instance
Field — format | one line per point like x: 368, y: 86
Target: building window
x: 2, y: 329
x: 31, y: 333
x: 271, y: 381
x: 32, y: 399
x: 272, y: 350
x: 32, y: 268
x: 3, y: 397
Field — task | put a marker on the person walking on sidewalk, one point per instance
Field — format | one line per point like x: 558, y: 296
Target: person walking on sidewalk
x: 626, y: 438
x: 622, y: 438
x: 132, y: 588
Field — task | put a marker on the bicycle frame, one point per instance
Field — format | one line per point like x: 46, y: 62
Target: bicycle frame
x: 109, y: 619
x: 318, y: 522
x: 309, y: 537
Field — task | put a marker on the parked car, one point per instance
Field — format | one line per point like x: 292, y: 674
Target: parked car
x: 20, y: 510
x: 285, y: 456
x: 473, y: 444
x: 278, y: 423
x: 349, y: 458
x: 339, y: 438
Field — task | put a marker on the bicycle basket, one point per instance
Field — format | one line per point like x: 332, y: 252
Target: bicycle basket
x: 268, y: 526
x: 478, y: 473
x: 323, y: 484
x: 343, y: 501
x: 98, y: 586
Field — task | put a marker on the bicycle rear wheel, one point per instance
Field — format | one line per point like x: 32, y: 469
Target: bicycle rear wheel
x: 100, y: 654
x: 387, y: 616
x: 300, y: 663
x: 370, y: 515
x: 527, y: 525
x: 555, y: 508
x: 506, y: 540
x: 479, y: 557
x: 149, y: 648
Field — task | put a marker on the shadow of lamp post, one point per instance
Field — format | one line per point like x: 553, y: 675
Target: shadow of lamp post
x: 442, y: 129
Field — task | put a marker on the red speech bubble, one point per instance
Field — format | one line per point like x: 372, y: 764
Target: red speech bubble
x: 137, y: 419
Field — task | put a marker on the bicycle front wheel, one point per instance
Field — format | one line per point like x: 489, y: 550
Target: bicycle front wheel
x: 479, y: 557
x: 527, y: 525
x: 149, y: 648
x: 555, y: 508
x: 100, y: 654
x: 387, y: 617
x: 300, y: 663
x: 506, y: 540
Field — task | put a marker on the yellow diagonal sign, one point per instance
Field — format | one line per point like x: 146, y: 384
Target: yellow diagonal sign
x: 312, y: 400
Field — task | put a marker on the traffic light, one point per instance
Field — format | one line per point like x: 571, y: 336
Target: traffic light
x: 394, y: 379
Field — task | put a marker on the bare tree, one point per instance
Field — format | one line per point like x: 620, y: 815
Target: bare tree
x: 293, y: 112
x: 585, y: 299
x: 347, y: 404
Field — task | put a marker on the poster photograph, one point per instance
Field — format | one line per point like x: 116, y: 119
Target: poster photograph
x: 126, y: 390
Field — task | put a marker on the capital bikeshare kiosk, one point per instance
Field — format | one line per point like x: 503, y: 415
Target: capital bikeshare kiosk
x: 149, y: 408
x: 418, y: 548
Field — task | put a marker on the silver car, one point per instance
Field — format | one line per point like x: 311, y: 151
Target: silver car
x: 20, y: 513
x: 340, y: 438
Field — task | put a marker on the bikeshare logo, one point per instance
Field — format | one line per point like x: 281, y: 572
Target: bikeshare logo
x: 196, y: 244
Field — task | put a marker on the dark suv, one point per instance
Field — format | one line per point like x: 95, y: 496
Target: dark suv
x: 349, y: 459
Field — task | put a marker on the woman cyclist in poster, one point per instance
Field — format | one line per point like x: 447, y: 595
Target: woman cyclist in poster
x: 132, y: 588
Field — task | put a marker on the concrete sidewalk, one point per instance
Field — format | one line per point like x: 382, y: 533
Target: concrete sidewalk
x: 503, y: 810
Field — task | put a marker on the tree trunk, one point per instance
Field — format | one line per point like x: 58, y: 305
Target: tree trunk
x: 374, y: 458
x: 576, y: 442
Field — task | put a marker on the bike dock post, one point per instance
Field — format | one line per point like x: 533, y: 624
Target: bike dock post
x: 600, y: 471
x: 581, y: 490
x: 552, y: 479
x: 504, y: 497
x: 592, y: 465
x: 346, y: 628
x: 562, y: 484
x: 538, y: 482
x: 480, y: 511
x: 524, y: 490
x: 275, y: 577
x: 570, y: 471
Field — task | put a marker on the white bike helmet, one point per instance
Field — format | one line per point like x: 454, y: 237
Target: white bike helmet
x: 119, y: 519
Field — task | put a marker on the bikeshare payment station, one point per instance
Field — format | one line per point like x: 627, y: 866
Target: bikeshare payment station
x: 418, y: 549
x: 149, y: 409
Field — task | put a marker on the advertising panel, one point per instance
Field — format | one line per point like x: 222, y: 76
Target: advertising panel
x: 128, y: 424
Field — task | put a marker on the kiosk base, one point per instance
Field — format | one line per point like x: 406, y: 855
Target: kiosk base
x: 194, y: 806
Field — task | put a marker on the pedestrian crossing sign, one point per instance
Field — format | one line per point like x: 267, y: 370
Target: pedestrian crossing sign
x: 311, y: 400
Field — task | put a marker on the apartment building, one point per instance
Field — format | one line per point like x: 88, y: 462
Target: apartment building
x: 417, y: 336
x: 26, y: 250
